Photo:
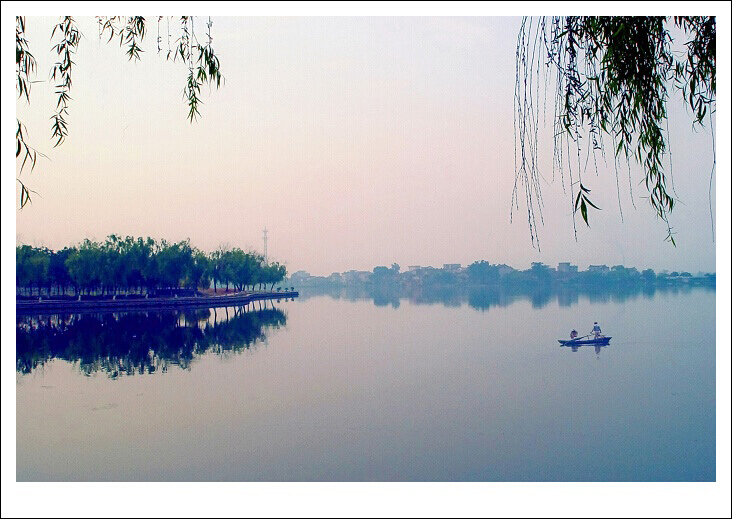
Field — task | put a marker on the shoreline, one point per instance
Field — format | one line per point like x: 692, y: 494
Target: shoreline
x: 51, y: 306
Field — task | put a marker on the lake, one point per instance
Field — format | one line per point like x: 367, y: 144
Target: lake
x: 364, y: 386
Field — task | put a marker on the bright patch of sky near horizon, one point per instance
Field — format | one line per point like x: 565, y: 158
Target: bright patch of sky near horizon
x: 356, y: 141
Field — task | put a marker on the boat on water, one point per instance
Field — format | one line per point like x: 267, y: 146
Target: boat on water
x: 599, y: 341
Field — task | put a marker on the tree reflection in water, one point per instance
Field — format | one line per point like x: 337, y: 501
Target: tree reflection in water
x: 140, y: 342
x: 483, y: 298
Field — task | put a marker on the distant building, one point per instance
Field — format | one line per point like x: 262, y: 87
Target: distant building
x: 540, y: 265
x: 356, y: 276
x: 598, y: 269
x: 567, y: 268
x: 419, y: 269
x: 452, y: 267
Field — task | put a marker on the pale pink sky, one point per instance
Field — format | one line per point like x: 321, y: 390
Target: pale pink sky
x: 356, y: 141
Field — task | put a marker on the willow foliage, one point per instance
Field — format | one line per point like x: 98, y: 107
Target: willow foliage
x: 200, y: 59
x: 612, y: 77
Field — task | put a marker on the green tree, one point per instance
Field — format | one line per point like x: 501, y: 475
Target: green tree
x: 57, y: 272
x: 276, y: 273
x: 613, y: 76
x: 138, y: 254
x: 32, y: 264
x: 124, y: 265
x: 229, y: 271
x: 540, y: 273
x: 114, y: 272
x: 240, y: 267
x: 483, y: 273
x: 383, y: 274
x: 174, y: 261
x: 648, y: 275
x: 147, y: 251
x: 84, y: 265
x: 216, y: 265
x: 622, y: 274
x: 199, y: 273
x: 256, y: 266
x: 22, y: 272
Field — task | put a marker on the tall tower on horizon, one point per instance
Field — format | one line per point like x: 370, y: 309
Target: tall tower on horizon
x: 264, y: 237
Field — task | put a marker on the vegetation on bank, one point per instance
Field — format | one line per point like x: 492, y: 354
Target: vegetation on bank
x: 138, y: 266
x: 482, y: 273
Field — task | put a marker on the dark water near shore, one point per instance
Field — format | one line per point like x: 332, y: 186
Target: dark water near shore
x: 355, y: 386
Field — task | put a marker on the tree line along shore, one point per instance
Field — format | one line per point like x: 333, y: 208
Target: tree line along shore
x: 139, y: 267
x: 484, y: 274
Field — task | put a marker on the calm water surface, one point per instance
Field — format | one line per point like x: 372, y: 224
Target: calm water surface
x: 444, y: 388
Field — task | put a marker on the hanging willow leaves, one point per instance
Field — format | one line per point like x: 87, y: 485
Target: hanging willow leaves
x: 582, y: 201
x: 201, y: 61
x: 612, y: 76
x: 130, y: 30
x: 25, y: 63
x: 25, y: 66
x: 61, y: 73
x: 203, y: 64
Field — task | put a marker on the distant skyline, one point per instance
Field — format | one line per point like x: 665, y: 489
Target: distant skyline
x: 405, y: 268
x: 357, y: 142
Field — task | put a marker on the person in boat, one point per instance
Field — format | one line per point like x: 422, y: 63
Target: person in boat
x: 573, y: 334
x: 596, y: 330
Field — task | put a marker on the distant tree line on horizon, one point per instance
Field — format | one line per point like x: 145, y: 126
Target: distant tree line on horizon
x: 483, y: 273
x: 138, y: 266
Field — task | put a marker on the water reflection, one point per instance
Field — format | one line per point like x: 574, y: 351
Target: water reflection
x: 141, y: 342
x: 576, y: 347
x: 484, y: 298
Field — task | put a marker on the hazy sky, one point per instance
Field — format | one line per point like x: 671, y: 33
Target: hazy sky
x: 357, y: 141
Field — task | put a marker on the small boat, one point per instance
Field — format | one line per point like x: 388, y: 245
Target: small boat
x: 601, y: 341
